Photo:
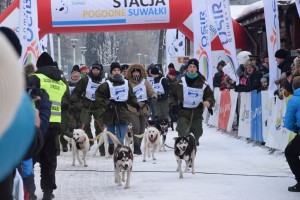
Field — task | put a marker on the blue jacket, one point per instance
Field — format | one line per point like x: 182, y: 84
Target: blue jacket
x: 292, y: 114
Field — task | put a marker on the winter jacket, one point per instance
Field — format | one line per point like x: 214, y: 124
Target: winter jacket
x: 286, y: 65
x: 145, y: 108
x: 252, y: 83
x: 55, y: 74
x: 292, y: 114
x: 217, y: 80
x: 176, y: 96
x: 108, y: 116
x: 78, y: 95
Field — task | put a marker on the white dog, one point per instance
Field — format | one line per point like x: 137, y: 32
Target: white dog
x: 129, y: 136
x: 151, y: 140
x: 80, y: 142
x: 123, y: 160
x: 102, y: 138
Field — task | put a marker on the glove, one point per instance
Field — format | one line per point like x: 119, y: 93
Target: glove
x: 276, y: 93
x: 42, y: 94
x: 72, y: 107
x: 258, y: 91
x: 112, y: 104
x: 153, y: 100
x: 210, y: 111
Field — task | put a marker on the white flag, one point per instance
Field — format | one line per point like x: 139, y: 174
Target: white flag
x: 43, y: 45
x: 220, y: 11
x: 28, y: 34
x: 297, y: 2
x: 273, y: 41
x: 202, y: 41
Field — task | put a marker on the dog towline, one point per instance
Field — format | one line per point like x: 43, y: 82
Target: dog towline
x: 147, y: 11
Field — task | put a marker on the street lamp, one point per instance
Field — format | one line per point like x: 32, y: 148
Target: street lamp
x: 74, y: 53
x: 83, y: 50
x: 58, y: 51
x: 139, y: 56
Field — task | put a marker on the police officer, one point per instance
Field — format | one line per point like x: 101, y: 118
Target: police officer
x: 48, y: 77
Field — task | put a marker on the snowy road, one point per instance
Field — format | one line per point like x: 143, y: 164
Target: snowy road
x: 222, y: 163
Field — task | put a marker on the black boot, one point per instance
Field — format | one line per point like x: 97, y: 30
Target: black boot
x: 295, y: 188
x: 32, y: 196
x: 48, y: 195
x: 137, y: 149
x: 111, y: 148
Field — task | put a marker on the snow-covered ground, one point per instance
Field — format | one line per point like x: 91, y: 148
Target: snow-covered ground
x: 226, y: 169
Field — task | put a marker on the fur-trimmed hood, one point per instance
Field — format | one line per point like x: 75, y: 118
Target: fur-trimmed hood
x: 131, y: 67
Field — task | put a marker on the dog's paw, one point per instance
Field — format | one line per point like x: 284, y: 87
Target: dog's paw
x: 127, y: 187
x: 85, y: 165
x: 72, y: 164
x: 119, y: 184
x: 181, y: 175
x: 144, y: 160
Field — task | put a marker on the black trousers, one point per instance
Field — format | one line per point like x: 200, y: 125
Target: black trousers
x: 292, y: 153
x: 48, y: 159
x: 6, y: 186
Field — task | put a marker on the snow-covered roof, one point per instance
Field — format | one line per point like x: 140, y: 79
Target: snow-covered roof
x: 236, y: 10
x: 255, y: 8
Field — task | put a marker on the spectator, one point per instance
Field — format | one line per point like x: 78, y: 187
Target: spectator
x: 291, y: 122
x: 284, y: 60
x: 171, y: 76
x: 124, y: 68
x: 172, y: 67
x: 84, y: 70
x: 264, y: 83
x: 253, y: 79
x: 217, y: 80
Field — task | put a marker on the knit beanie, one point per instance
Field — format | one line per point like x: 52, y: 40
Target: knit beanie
x: 75, y: 69
x: 124, y: 67
x: 194, y: 61
x: 97, y: 65
x: 13, y: 39
x: 281, y: 53
x: 171, y: 65
x: 83, y: 67
x: 221, y: 63
x: 172, y: 72
x: 114, y: 65
x: 154, y: 71
x: 136, y: 70
x: 44, y: 60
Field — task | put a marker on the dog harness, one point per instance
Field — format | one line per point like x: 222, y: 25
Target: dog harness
x: 80, y: 143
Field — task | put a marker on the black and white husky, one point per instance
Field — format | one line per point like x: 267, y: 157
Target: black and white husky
x: 185, y: 149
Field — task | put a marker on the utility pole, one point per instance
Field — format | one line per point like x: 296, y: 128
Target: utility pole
x: 161, y: 47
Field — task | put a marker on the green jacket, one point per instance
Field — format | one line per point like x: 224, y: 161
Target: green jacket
x: 108, y: 116
x: 78, y: 95
x: 176, y: 96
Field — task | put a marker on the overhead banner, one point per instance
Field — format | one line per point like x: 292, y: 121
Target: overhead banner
x: 220, y: 11
x: 28, y: 33
x: 108, y: 12
x: 297, y: 2
x: 202, y: 44
x: 273, y: 41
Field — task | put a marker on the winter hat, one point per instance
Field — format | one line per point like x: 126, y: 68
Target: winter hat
x: 296, y: 82
x: 281, y: 53
x: 172, y: 72
x: 136, y: 70
x: 154, y: 71
x: 17, y: 114
x: 55, y: 64
x: 263, y: 80
x: 194, y: 61
x: 124, y: 67
x: 171, y: 65
x: 13, y: 39
x: 75, y: 69
x: 96, y: 65
x: 44, y: 60
x: 114, y: 65
x: 83, y: 67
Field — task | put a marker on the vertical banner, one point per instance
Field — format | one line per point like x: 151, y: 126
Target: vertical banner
x: 224, y: 112
x: 202, y: 44
x: 233, y: 99
x: 29, y: 31
x: 245, y: 115
x: 256, y: 117
x: 267, y: 106
x: 273, y: 40
x: 297, y: 2
x: 51, y: 45
x: 175, y: 45
x: 220, y: 10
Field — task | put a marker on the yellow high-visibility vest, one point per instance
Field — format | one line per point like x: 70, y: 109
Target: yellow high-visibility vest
x: 55, y: 90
